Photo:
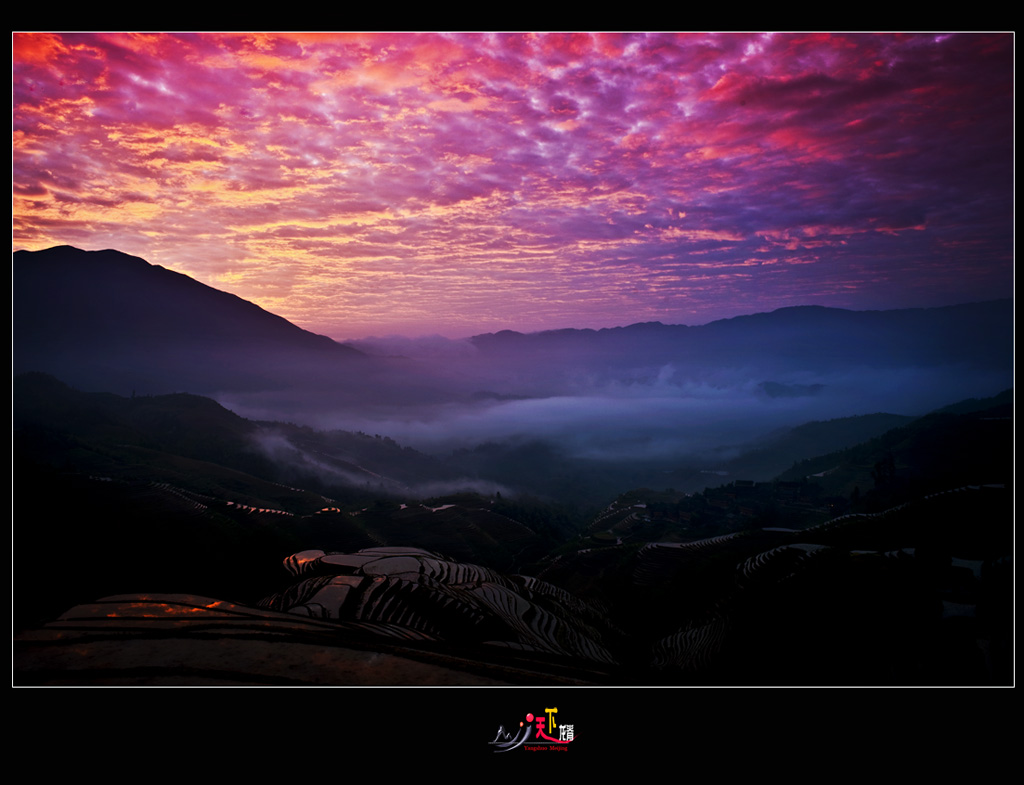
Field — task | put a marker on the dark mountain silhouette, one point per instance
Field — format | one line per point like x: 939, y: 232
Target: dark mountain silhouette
x: 968, y: 443
x: 979, y: 335
x: 194, y: 441
x: 775, y: 453
x: 160, y: 519
x: 105, y: 320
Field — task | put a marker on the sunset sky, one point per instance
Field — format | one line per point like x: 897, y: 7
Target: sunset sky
x: 367, y: 184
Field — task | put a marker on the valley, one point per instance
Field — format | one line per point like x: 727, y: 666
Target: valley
x: 673, y: 587
x: 805, y: 497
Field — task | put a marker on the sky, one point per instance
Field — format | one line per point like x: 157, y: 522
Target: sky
x: 455, y: 184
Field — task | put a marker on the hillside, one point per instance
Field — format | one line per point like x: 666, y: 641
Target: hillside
x: 729, y: 504
x: 104, y: 320
x: 163, y: 503
x: 968, y: 443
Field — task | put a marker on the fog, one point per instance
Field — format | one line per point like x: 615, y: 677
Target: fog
x: 441, y: 395
x: 646, y: 392
x: 274, y: 444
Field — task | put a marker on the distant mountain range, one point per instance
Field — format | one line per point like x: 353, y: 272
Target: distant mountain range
x: 979, y: 335
x: 104, y: 320
x: 152, y: 523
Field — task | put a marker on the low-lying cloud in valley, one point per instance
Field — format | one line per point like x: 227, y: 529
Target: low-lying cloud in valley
x: 660, y: 413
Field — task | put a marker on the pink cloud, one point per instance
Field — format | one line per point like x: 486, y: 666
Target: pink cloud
x: 423, y: 154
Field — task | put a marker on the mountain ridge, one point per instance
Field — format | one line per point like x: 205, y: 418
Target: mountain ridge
x: 655, y: 325
x: 112, y: 256
x: 106, y: 319
x: 64, y: 259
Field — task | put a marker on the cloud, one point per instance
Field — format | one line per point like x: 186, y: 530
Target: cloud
x: 300, y: 463
x: 464, y: 159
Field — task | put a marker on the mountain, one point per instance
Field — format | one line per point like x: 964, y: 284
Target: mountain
x: 152, y: 524
x: 969, y: 443
x: 777, y: 451
x: 979, y: 335
x: 105, y: 320
x: 159, y: 522
x: 177, y: 488
x: 195, y: 442
x: 916, y: 594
